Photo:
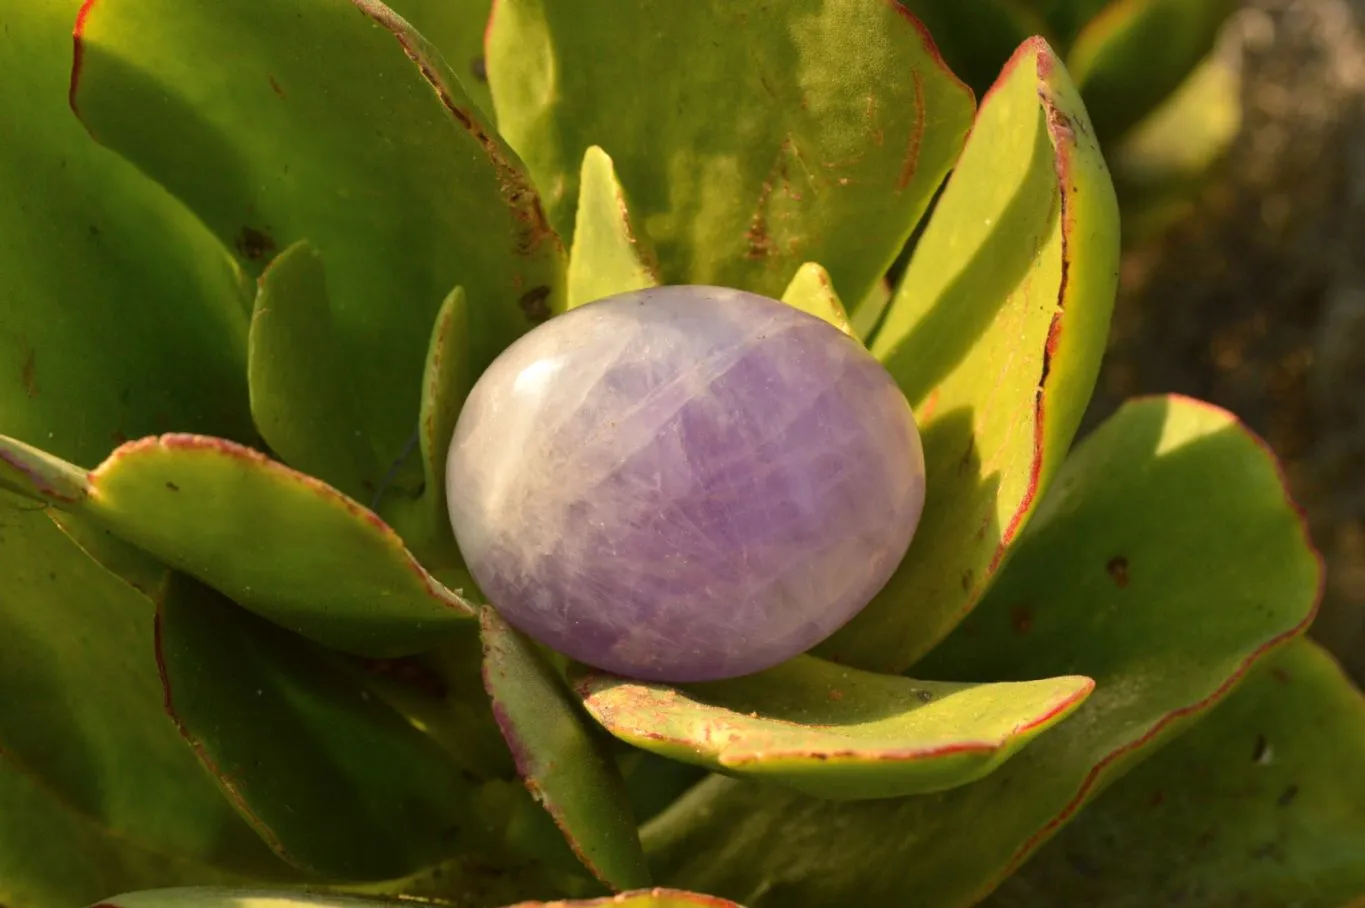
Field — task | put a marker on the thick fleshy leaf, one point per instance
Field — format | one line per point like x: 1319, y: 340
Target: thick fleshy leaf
x: 302, y: 398
x: 812, y: 291
x: 560, y: 758
x: 1261, y: 804
x: 995, y: 335
x: 866, y: 316
x: 124, y: 560
x: 284, y: 545
x: 1164, y: 563
x: 642, y: 898
x: 811, y: 130
x: 831, y: 731
x: 39, y: 835
x: 423, y: 521
x: 334, y: 780
x: 456, y: 27
x: 331, y: 121
x: 38, y: 475
x: 257, y: 898
x: 122, y: 316
x: 611, y: 252
x: 89, y: 765
x: 1134, y: 54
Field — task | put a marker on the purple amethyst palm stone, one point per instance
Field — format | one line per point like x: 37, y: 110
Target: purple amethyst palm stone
x: 684, y: 483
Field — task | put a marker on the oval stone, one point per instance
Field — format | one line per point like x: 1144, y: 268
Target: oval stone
x: 684, y: 483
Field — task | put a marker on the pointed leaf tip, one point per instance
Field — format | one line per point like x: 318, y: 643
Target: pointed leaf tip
x: 611, y: 252
x: 812, y: 291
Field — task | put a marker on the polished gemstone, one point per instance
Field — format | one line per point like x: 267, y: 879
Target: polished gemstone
x: 685, y: 483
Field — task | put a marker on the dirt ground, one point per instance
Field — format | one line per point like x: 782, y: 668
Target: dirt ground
x: 1257, y: 301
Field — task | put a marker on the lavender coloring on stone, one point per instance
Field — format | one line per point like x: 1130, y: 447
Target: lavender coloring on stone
x: 685, y: 483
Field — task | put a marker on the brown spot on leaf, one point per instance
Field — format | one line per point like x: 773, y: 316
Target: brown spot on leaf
x: 967, y: 577
x: 1280, y: 675
x: 1261, y: 752
x: 911, y: 163
x: 835, y: 694
x: 172, y: 486
x: 253, y: 245
x: 26, y: 373
x: 533, y: 303
x: 1021, y: 617
x: 275, y: 86
x: 1288, y: 795
x: 1157, y: 798
x: 478, y: 68
x: 1117, y: 569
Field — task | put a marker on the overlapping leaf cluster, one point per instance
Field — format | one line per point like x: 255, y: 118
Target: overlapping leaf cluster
x: 253, y: 255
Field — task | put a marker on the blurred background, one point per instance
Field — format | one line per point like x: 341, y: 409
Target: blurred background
x: 1243, y: 281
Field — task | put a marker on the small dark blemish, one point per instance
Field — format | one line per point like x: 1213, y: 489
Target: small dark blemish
x: 1118, y: 570
x: 1261, y: 752
x: 924, y: 695
x: 253, y: 245
x: 26, y: 372
x: 967, y: 578
x: 94, y: 230
x: 275, y: 87
x: 479, y: 67
x: 533, y: 304
x: 1021, y: 616
x: 1287, y: 796
x: 172, y: 486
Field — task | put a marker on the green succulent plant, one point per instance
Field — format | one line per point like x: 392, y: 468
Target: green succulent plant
x: 252, y: 257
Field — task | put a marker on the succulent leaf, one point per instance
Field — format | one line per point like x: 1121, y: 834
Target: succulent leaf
x: 282, y: 544
x: 995, y: 335
x: 456, y: 28
x: 769, y: 150
x: 132, y: 565
x: 40, y: 476
x: 334, y: 780
x: 1258, y: 805
x: 335, y: 122
x: 831, y: 731
x: 611, y: 252
x: 560, y: 757
x: 302, y: 396
x: 644, y: 898
x: 424, y: 522
x: 1209, y: 570
x: 812, y: 291
x: 82, y: 705
x: 1135, y: 53
x: 254, y: 898
x: 121, y: 314
x: 866, y: 316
